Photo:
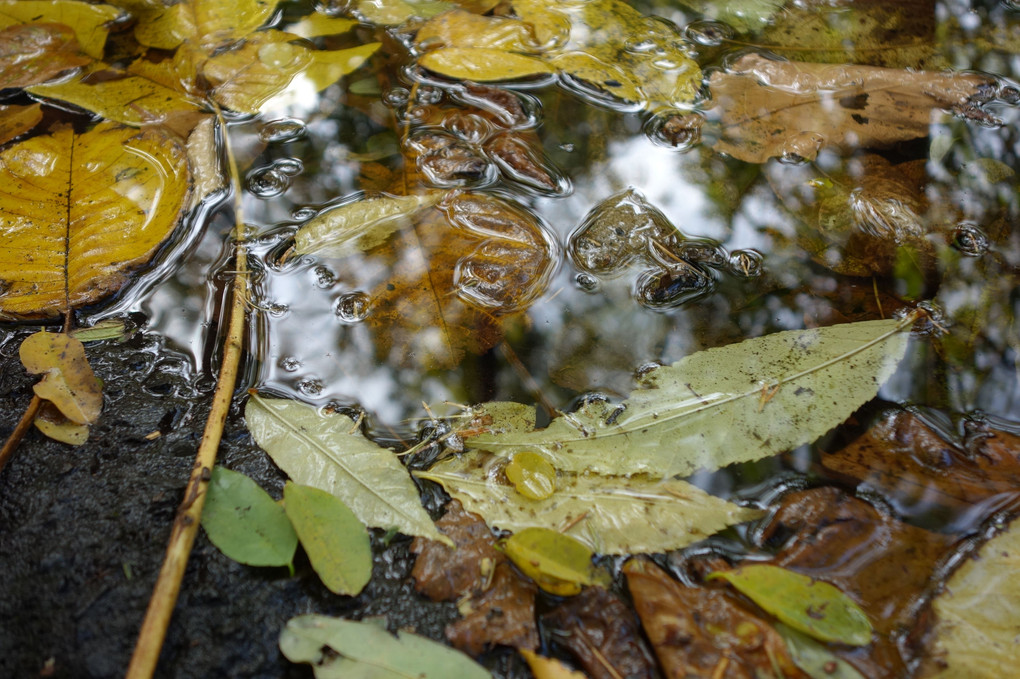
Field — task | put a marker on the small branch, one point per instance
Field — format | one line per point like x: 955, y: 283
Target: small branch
x: 11, y: 444
x: 189, y: 513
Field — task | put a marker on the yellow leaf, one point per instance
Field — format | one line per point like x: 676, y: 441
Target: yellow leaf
x: 548, y: 668
x: 458, y: 28
x: 78, y: 212
x: 557, y: 563
x: 396, y: 12
x: 328, y: 66
x: 319, y: 24
x: 34, y: 53
x: 211, y: 23
x: 51, y: 422
x: 483, y: 65
x: 88, y: 21
x: 68, y: 382
x: 17, y: 120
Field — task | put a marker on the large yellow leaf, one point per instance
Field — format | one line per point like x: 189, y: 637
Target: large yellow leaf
x: 88, y: 21
x: 34, y: 53
x: 210, y: 23
x: 78, y: 212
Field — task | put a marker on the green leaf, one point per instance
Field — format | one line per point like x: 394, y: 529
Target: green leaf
x: 977, y: 624
x: 810, y: 606
x: 558, y: 563
x: 326, y: 451
x: 337, y: 543
x: 245, y: 523
x: 743, y: 15
x: 342, y: 649
x: 359, y: 225
x: 483, y: 64
x: 741, y: 402
x: 816, y: 660
x: 610, y: 514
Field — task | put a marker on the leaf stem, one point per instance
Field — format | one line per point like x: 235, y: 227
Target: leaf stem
x: 189, y: 513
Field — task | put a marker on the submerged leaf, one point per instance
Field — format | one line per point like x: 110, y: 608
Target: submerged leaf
x: 327, y: 451
x: 482, y: 64
x: 68, y: 382
x: 558, y: 563
x: 343, y: 648
x: 336, y: 542
x: 245, y: 523
x: 808, y: 605
x: 34, y: 53
x: 90, y: 208
x: 774, y: 392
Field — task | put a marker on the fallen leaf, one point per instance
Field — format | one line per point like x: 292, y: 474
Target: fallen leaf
x: 68, y: 382
x: 976, y: 622
x: 245, y: 523
x: 609, y: 514
x: 557, y: 563
x: 208, y: 23
x: 335, y: 541
x: 90, y: 208
x: 55, y: 425
x: 317, y: 25
x: 503, y: 614
x: 396, y: 12
x: 458, y: 28
x: 549, y: 668
x: 774, y: 392
x: 603, y: 634
x: 813, y: 657
x: 17, y: 120
x: 811, y: 606
x: 774, y: 109
x: 483, y: 64
x: 342, y: 648
x: 33, y: 53
x: 326, y: 451
x: 704, y: 632
x: 88, y: 21
x: 743, y: 15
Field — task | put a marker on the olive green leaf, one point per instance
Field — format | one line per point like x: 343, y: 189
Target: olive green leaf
x: 557, y: 563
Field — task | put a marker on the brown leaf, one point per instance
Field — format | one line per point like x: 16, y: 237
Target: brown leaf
x: 699, y: 632
x: 602, y: 632
x: 503, y: 614
x: 881, y: 563
x: 918, y: 468
x: 34, y: 53
x: 17, y: 120
x: 68, y: 381
x: 774, y: 109
x: 518, y: 160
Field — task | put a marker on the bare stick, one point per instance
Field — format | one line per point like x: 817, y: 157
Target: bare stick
x: 189, y: 513
x: 11, y: 444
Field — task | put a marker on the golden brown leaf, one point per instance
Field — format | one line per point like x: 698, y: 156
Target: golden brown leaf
x: 51, y: 422
x: 79, y: 212
x: 34, y: 53
x: 458, y: 28
x: 88, y: 21
x: 17, y: 120
x: 68, y: 382
x: 208, y: 23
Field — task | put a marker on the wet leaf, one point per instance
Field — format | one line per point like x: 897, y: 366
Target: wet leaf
x: 603, y: 634
x: 34, y: 53
x: 342, y: 648
x: 51, y: 422
x: 359, y: 225
x: 245, y: 523
x: 503, y: 614
x: 976, y: 629
x: 396, y: 12
x: 458, y: 28
x: 327, y: 451
x: 743, y: 15
x: 532, y: 475
x: 68, y: 381
x: 772, y: 109
x: 335, y: 540
x: 90, y: 207
x: 17, y: 120
x: 774, y: 392
x: 805, y: 604
x: 558, y: 563
x: 482, y: 64
x: 549, y: 668
x: 209, y: 23
x: 814, y: 658
x: 694, y: 631
x: 88, y: 21
x: 610, y: 514
x: 317, y: 24
x: 110, y: 328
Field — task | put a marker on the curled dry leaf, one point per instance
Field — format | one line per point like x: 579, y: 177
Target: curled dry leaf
x: 68, y: 382
x: 33, y: 53
x: 91, y: 208
x: 771, y: 109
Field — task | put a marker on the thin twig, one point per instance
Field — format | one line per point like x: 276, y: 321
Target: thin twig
x: 189, y: 513
x: 24, y: 424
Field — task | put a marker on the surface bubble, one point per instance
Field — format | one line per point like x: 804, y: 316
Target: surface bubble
x: 746, y: 263
x: 395, y: 97
x: 290, y: 364
x: 311, y: 386
x: 282, y: 130
x: 675, y: 129
x: 289, y: 166
x: 324, y: 277
x: 586, y: 282
x: 970, y: 239
x: 673, y: 287
x: 267, y: 182
x: 353, y: 307
x: 303, y: 214
x: 708, y: 33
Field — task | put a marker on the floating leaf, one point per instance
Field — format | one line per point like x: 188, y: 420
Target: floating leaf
x: 458, y: 28
x: 89, y: 208
x: 209, y: 23
x: 804, y: 603
x: 245, y: 523
x: 34, y: 53
x: 977, y: 626
x: 503, y: 614
x: 342, y: 648
x: 336, y: 542
x: 87, y: 20
x: 359, y: 225
x: 396, y: 12
x: 558, y: 563
x: 610, y: 514
x: 774, y: 392
x: 482, y: 64
x: 17, y: 120
x: 68, y: 381
x: 743, y: 15
x: 317, y: 24
x: 327, y: 451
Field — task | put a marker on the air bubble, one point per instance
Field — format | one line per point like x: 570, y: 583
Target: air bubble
x: 1009, y: 94
x: 324, y: 277
x: 311, y: 386
x: 282, y: 130
x: 353, y: 307
x: 395, y: 97
x: 427, y: 94
x: 289, y: 166
x: 746, y: 263
x: 267, y: 182
x: 675, y: 129
x: 708, y: 33
x: 290, y: 364
x: 970, y: 239
x: 674, y: 287
x: 703, y: 251
x: 303, y: 214
x: 586, y: 282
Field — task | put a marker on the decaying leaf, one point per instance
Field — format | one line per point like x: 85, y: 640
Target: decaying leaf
x: 343, y: 648
x: 68, y: 382
x: 603, y: 634
x: 610, y: 514
x: 88, y: 21
x: 17, y: 120
x: 89, y: 208
x: 977, y: 626
x: 696, y: 631
x: 503, y: 614
x: 775, y: 109
x: 336, y: 542
x: 245, y: 523
x: 327, y: 451
x: 34, y: 53
x: 557, y: 563
x: 774, y: 392
x: 811, y: 606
